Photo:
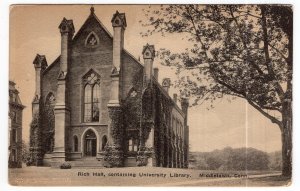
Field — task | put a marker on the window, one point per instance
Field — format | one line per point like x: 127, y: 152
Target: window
x: 13, y: 97
x: 96, y: 98
x: 132, y: 144
x: 92, y: 40
x: 75, y: 144
x: 104, y: 142
x: 14, y: 135
x: 87, y: 103
x: 92, y: 97
x: 14, y: 116
x: 50, y: 99
x: 14, y: 155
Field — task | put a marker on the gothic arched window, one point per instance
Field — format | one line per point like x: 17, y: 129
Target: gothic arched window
x: 92, y: 40
x: 91, y: 97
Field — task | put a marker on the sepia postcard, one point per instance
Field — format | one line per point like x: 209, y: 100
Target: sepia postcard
x: 150, y: 95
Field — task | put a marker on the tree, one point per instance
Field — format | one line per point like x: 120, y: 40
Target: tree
x: 242, y: 51
x: 275, y: 160
x: 25, y: 151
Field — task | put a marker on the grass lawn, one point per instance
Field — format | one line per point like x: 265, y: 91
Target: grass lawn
x: 141, y: 176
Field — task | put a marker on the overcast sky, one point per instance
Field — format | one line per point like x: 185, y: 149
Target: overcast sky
x: 34, y: 29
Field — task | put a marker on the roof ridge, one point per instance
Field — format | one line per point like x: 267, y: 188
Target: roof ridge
x: 92, y: 15
x: 127, y: 52
x: 51, y: 65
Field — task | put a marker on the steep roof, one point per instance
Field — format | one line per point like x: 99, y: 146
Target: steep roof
x: 55, y: 62
x: 91, y: 17
x: 87, y: 21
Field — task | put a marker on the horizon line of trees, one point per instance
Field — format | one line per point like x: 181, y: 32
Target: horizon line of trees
x: 236, y: 159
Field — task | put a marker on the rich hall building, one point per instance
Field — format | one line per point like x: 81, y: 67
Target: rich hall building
x: 97, y: 105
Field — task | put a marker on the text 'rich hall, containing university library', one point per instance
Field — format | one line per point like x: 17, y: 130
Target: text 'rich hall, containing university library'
x: 97, y: 105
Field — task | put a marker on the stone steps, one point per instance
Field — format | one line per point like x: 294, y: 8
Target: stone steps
x: 86, y: 163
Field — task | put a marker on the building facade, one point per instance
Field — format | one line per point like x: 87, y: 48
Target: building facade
x: 15, y: 127
x: 97, y: 104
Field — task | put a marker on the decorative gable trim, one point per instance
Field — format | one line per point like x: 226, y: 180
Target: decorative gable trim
x: 92, y: 16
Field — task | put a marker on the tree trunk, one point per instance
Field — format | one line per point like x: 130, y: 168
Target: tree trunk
x: 286, y: 138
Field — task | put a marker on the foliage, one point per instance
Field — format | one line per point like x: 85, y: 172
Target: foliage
x: 25, y: 152
x: 143, y: 154
x: 48, y: 126
x: 232, y: 159
x: 65, y: 165
x: 242, y: 51
x: 132, y: 109
x: 228, y: 52
x: 34, y: 130
x: 113, y: 154
x: 275, y: 160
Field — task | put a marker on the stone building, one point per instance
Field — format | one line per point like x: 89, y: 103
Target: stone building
x: 97, y: 105
x: 15, y: 127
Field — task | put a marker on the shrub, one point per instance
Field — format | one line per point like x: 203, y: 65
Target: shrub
x: 65, y: 165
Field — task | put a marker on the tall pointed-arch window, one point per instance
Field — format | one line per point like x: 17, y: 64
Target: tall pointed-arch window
x: 91, y: 97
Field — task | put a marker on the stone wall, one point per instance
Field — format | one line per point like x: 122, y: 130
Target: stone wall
x: 83, y: 59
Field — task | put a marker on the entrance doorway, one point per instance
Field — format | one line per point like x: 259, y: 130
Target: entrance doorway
x: 90, y: 144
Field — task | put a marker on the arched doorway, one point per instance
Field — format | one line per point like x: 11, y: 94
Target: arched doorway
x: 90, y: 143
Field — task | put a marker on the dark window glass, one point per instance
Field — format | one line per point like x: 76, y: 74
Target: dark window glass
x: 92, y: 98
x: 96, y: 98
x: 87, y: 103
x: 14, y: 135
x: 92, y: 40
x: 75, y: 144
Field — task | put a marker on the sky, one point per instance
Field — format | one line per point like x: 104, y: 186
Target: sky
x: 34, y: 29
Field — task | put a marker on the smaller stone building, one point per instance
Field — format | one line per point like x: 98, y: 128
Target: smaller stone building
x: 15, y: 127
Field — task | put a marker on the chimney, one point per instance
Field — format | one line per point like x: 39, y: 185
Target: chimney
x: 148, y: 55
x: 66, y: 28
x: 166, y: 83
x: 175, y: 98
x: 40, y: 64
x: 155, y: 70
x: 184, y: 108
x: 119, y: 24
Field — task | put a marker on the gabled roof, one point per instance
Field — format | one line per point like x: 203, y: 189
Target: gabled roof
x: 40, y: 61
x: 68, y: 24
x: 150, y: 47
x: 120, y: 16
x: 136, y: 60
x: 92, y: 16
x: 56, y: 61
